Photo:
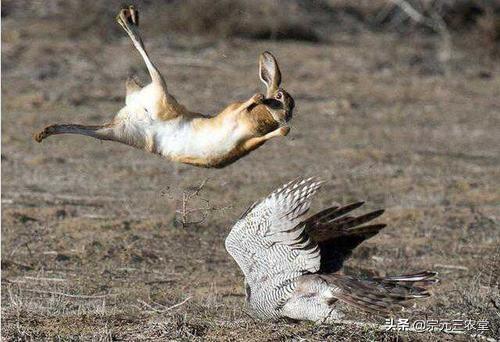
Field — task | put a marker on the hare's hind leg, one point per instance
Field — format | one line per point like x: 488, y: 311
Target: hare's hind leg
x: 132, y: 87
x: 128, y: 18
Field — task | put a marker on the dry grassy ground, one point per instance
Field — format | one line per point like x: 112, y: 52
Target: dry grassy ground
x: 90, y: 245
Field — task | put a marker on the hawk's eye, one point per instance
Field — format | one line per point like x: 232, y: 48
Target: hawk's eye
x: 279, y: 95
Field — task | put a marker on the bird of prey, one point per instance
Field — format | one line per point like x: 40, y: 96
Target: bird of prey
x: 291, y: 264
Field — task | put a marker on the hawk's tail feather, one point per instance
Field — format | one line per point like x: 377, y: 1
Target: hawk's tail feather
x: 381, y: 295
x: 422, y: 279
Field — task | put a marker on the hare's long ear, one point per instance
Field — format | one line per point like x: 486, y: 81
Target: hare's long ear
x: 269, y: 72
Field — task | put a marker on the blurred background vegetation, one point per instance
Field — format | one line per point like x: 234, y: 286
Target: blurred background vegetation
x: 474, y: 21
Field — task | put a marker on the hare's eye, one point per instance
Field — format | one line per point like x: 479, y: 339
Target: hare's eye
x: 279, y: 95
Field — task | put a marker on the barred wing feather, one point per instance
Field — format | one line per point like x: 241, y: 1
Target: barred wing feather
x: 269, y: 242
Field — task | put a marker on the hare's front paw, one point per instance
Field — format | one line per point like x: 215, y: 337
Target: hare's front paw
x: 258, y: 98
x: 284, y: 130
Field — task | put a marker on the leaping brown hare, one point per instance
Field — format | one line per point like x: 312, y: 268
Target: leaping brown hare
x: 154, y: 121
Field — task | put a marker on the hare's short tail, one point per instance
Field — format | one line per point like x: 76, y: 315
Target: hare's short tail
x: 381, y: 295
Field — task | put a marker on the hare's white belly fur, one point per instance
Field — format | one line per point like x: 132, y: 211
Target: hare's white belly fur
x: 178, y: 137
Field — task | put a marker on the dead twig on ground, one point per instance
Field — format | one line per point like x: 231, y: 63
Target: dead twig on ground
x: 187, y: 211
x: 44, y: 279
x: 164, y: 308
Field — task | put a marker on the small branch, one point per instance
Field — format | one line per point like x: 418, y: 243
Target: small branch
x: 165, y: 308
x: 186, y: 209
x: 177, y: 305
x: 199, y: 188
x: 44, y: 279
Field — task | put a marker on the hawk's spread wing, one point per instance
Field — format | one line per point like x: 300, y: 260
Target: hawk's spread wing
x: 269, y: 242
